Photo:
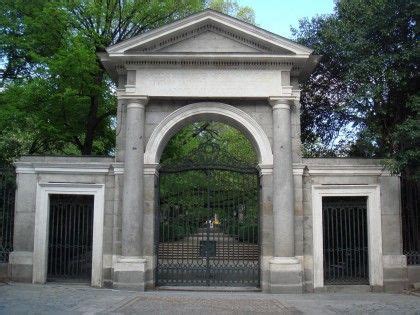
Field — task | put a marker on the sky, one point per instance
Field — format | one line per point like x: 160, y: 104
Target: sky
x: 278, y: 15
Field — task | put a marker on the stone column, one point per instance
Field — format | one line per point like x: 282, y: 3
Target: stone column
x: 285, y: 268
x: 130, y: 267
x: 282, y: 180
x: 120, y: 131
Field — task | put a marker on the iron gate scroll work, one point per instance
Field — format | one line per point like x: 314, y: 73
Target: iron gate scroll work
x: 208, y: 222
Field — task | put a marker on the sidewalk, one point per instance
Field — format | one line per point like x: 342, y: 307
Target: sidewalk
x: 68, y: 298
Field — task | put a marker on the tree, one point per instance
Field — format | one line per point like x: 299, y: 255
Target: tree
x: 57, y: 92
x: 232, y: 7
x: 228, y: 141
x: 57, y: 97
x: 200, y: 177
x: 361, y: 99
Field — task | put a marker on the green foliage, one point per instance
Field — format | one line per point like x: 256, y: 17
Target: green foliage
x: 246, y: 232
x: 57, y: 98
x: 229, y: 140
x: 408, y: 132
x: 176, y: 230
x: 357, y: 102
x: 190, y: 197
x: 232, y: 7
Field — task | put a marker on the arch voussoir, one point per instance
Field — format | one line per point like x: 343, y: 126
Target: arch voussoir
x: 213, y: 111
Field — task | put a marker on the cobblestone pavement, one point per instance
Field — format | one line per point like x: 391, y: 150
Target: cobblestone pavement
x: 67, y: 298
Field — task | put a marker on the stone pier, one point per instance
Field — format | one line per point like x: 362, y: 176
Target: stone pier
x: 130, y: 267
x: 285, y: 269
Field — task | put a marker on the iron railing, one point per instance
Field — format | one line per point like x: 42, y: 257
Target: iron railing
x: 70, y: 237
x: 7, y: 209
x: 345, y: 240
x: 411, y: 220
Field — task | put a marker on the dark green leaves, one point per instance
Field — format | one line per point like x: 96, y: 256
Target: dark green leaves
x: 358, y: 98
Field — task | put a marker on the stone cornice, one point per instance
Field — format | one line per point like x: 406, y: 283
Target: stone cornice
x: 153, y: 169
x: 148, y: 49
x: 347, y: 170
x: 207, y: 17
x: 204, y: 61
x: 62, y: 168
x: 298, y: 169
x: 148, y: 169
x: 158, y: 45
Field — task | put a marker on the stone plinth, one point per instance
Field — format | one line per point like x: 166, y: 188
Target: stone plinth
x: 285, y: 275
x: 129, y: 273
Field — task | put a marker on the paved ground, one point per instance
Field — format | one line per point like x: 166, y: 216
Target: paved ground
x: 54, y: 298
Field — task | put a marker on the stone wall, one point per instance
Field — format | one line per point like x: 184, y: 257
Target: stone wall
x: 33, y: 170
x: 359, y: 172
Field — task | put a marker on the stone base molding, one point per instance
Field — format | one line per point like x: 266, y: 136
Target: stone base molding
x: 21, y: 258
x: 20, y: 266
x: 395, y: 273
x: 129, y: 273
x: 286, y: 275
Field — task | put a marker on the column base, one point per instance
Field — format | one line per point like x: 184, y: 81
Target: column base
x: 129, y: 273
x: 285, y: 275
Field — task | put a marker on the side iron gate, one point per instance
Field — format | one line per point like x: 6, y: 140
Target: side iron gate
x: 208, y: 226
x: 345, y: 240
x: 7, y: 209
x: 70, y: 237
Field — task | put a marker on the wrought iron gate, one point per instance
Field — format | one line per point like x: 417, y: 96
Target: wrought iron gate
x: 207, y: 225
x: 410, y: 213
x: 7, y: 209
x: 345, y: 240
x: 70, y: 237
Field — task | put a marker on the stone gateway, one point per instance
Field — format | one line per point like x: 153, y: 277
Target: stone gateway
x: 322, y: 223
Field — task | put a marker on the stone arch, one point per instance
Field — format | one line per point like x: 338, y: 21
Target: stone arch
x: 214, y: 111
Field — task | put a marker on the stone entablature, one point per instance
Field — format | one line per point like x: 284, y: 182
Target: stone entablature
x: 240, y: 60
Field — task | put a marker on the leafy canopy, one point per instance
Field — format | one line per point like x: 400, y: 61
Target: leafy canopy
x: 363, y: 98
x: 56, y: 97
x: 201, y: 184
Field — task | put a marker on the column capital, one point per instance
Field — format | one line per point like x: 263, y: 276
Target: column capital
x: 279, y: 102
x: 265, y: 169
x: 134, y: 101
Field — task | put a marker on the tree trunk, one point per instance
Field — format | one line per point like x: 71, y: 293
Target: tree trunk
x: 91, y: 122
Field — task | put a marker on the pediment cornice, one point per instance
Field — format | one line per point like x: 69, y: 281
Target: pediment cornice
x: 204, y: 21
x: 231, y: 43
x: 158, y: 45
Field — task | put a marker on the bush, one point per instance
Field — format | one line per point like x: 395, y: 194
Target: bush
x: 175, y: 230
x: 246, y: 232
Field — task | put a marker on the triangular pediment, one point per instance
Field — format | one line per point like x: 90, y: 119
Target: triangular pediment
x: 208, y: 32
x: 205, y: 42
